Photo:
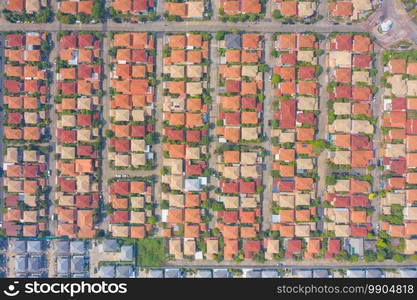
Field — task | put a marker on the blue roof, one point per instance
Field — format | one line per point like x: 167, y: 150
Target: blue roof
x: 107, y: 271
x: 62, y: 247
x: 20, y: 264
x: 77, y: 247
x: 63, y: 265
x: 34, y: 246
x: 77, y: 264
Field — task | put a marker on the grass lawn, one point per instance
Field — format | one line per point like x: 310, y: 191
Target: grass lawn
x: 151, y: 252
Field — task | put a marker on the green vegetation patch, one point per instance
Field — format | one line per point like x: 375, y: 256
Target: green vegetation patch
x: 151, y: 252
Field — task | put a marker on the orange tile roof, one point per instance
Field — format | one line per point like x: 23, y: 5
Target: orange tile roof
x: 250, y: 40
x: 85, y: 7
x: 192, y: 215
x: 361, y: 158
x: 194, y: 56
x: 176, y: 151
x: 232, y: 157
x: 358, y: 216
x: 31, y: 133
x: 302, y: 215
x: 177, y: 56
x: 194, y: 40
x: 342, y: 9
x: 232, y: 55
x: 287, y: 41
x: 177, y: 41
x: 303, y: 184
x: 306, y: 41
x: 249, y: 117
x: 412, y: 68
x: 247, y: 232
x: 68, y: 7
x: 286, y: 170
x: 342, y: 140
x: 305, y: 134
x: 249, y: 88
x: 250, y: 56
x: 361, y: 43
x: 250, y: 6
x: 287, y: 230
x: 176, y: 9
x: 286, y: 215
x: 84, y: 165
x: 232, y: 134
x: 230, y: 71
x: 358, y: 186
x: 230, y: 231
x: 175, y: 216
x: 397, y: 66
x: 289, y: 8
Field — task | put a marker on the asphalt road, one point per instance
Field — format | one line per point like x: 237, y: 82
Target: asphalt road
x: 165, y: 26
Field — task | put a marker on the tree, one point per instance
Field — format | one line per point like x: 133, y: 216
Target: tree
x: 398, y: 258
x: 220, y: 35
x: 215, y: 231
x: 275, y: 79
x: 97, y: 11
x: 276, y: 14
x: 370, y: 256
x: 164, y: 204
x: 150, y: 138
x: 217, y: 206
x: 43, y: 16
x: 263, y: 68
x: 109, y: 133
x: 259, y: 189
x: 259, y: 257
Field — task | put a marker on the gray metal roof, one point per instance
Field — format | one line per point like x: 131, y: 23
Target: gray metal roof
x: 35, y: 264
x: 408, y: 273
x: 233, y: 41
x: 107, y: 271
x: 124, y: 271
x: 20, y: 264
x: 374, y: 273
x: 220, y: 273
x: 3, y: 243
x: 356, y: 246
x: 126, y: 253
x: 77, y: 247
x: 63, y: 265
x: 111, y: 245
x: 303, y: 273
x: 204, y: 274
x: 77, y: 264
x: 352, y: 273
x: 34, y: 247
x: 62, y: 247
x: 156, y: 274
x: 320, y: 273
x: 269, y: 274
x: 172, y: 273
x: 253, y: 274
x: 18, y: 247
x: 192, y: 185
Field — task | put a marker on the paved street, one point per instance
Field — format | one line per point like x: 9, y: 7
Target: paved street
x: 267, y: 116
x: 53, y: 142
x: 403, y: 28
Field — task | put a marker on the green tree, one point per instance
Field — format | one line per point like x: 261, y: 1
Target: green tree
x: 275, y: 79
x: 97, y: 11
x: 109, y: 133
